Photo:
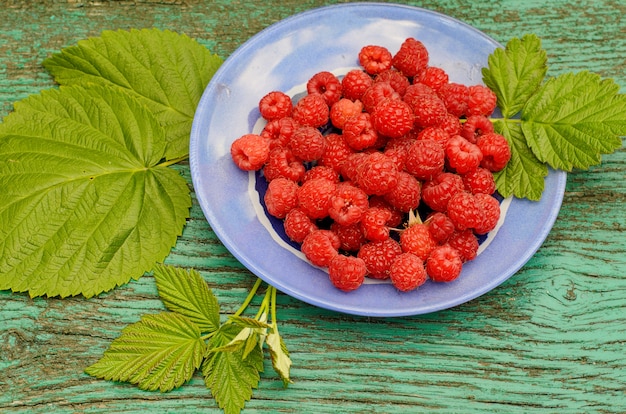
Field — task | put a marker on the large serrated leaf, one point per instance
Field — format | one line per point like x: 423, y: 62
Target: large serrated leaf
x: 166, y: 70
x: 160, y: 352
x: 84, y: 204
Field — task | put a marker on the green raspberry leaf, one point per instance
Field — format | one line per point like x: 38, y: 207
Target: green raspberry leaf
x: 160, y: 352
x: 185, y: 292
x: 166, y: 70
x: 231, y: 377
x: 280, y: 355
x: 573, y: 119
x: 515, y: 72
x: 85, y: 205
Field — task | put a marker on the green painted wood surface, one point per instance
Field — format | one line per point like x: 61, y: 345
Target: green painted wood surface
x: 551, y: 339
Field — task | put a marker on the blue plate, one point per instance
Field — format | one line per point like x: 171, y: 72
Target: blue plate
x: 283, y: 57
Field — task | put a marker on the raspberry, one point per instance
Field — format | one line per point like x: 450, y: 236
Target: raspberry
x: 282, y: 163
x: 393, y: 118
x: 378, y: 92
x: 378, y: 256
x: 348, y: 204
x: 377, y: 174
x: 432, y: 76
x: 250, y: 152
x: 444, y: 264
x: 320, y: 247
x: 325, y: 84
x: 336, y: 151
x: 429, y: 110
x: 343, y: 109
x: 405, y: 196
x: 440, y: 226
x: 425, y: 159
x: 359, y: 132
x: 417, y: 239
x: 375, y: 59
x: 416, y: 90
x: 490, y: 213
x: 351, y: 237
x: 314, y: 197
x: 411, y: 58
x: 347, y: 273
x: 298, y: 225
x: 407, y: 272
x: 355, y: 83
x: 307, y: 143
x: 396, y: 216
x: 279, y: 131
x: 496, y: 151
x: 321, y: 171
x: 466, y: 243
x: 455, y: 97
x: 479, y: 181
x: 397, y: 80
x: 435, y: 133
x: 397, y: 149
x: 451, y: 124
x: 349, y: 168
x: 311, y: 110
x: 275, y: 105
x: 481, y: 100
x: 474, y: 126
x: 462, y: 155
x: 465, y: 211
x: 281, y: 197
x: 436, y: 193
x: 374, y: 224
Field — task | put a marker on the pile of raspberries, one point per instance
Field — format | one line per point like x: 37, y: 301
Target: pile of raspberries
x: 351, y: 161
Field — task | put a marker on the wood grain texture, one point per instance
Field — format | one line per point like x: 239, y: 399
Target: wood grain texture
x: 551, y: 339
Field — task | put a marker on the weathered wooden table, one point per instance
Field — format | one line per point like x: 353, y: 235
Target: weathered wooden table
x: 550, y: 339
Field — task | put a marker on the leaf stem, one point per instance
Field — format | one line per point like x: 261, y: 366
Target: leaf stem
x: 251, y: 294
x: 173, y: 161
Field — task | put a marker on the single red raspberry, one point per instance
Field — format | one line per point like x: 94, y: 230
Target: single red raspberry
x: 440, y: 226
x: 279, y: 131
x: 355, y: 83
x: 351, y: 236
x: 496, y: 151
x: 359, y: 132
x: 375, y: 59
x: 327, y: 85
x: 397, y: 149
x: 412, y: 57
x: 321, y: 171
x: 350, y: 167
x: 307, y: 143
x: 451, y: 124
x: 416, y: 90
x: 481, y: 100
x: 407, y: 272
x: 320, y: 247
x: 377, y: 175
x: 314, y: 197
x: 378, y: 256
x: 479, y: 181
x: 275, y: 105
x: 432, y: 76
x: 374, y: 224
x: 377, y: 93
x: 406, y: 195
x: 336, y: 151
x: 455, y: 97
x: 250, y: 152
x: 343, y: 109
x: 435, y: 133
x: 397, y: 80
x: 474, y: 126
x: 436, y: 193
x: 298, y: 225
x: 348, y: 204
x: 281, y: 197
x: 397, y: 217
x: 417, y: 239
x: 490, y: 207
x: 462, y: 155
x: 392, y: 118
x: 282, y: 163
x: 444, y: 264
x: 347, y: 273
x: 465, y: 211
x: 429, y: 110
x: 311, y: 110
x: 425, y: 159
x: 466, y: 243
